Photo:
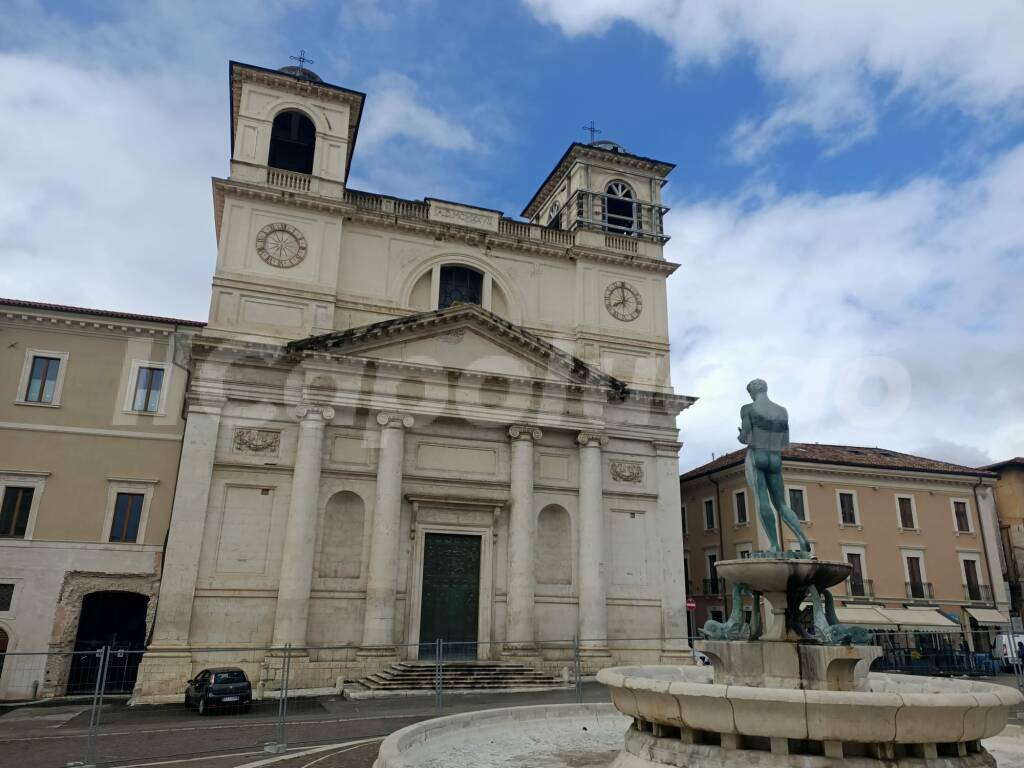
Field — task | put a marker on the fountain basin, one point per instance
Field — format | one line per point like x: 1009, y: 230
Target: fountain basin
x: 897, y: 717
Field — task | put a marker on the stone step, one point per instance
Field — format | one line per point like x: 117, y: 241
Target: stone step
x: 412, y: 676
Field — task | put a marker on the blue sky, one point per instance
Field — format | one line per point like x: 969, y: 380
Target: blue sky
x: 846, y: 206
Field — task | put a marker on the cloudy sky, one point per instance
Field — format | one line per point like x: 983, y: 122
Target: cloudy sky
x: 848, y: 207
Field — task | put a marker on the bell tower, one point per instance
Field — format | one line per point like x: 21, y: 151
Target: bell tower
x: 290, y: 130
x: 278, y: 232
x: 600, y: 187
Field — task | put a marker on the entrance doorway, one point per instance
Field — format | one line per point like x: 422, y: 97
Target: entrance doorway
x: 116, y: 620
x: 450, y: 604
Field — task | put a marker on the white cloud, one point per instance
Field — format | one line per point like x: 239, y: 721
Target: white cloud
x: 397, y: 108
x: 878, y: 319
x: 110, y: 136
x: 832, y: 63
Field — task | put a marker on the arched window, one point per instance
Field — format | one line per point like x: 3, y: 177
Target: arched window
x: 341, y: 542
x: 553, y: 554
x: 460, y: 285
x: 292, y: 141
x: 555, y: 216
x: 620, y: 207
x: 4, y: 640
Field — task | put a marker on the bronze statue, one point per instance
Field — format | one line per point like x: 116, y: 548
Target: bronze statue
x: 764, y: 429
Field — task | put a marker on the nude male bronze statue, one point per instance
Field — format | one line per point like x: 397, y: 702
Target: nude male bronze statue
x: 764, y: 429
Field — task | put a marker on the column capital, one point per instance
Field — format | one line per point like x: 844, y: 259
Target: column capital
x: 395, y: 420
x: 592, y: 438
x: 666, y: 448
x: 312, y: 411
x: 524, y: 432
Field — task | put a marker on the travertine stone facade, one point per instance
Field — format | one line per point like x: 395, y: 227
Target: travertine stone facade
x: 76, y: 450
x: 341, y: 415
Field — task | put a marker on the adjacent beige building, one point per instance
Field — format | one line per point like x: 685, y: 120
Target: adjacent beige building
x: 1009, y: 494
x: 90, y: 436
x: 922, y: 535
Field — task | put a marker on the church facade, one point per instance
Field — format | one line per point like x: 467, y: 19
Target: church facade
x: 413, y: 421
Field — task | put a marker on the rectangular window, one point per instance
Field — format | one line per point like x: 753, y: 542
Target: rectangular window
x: 713, y: 568
x: 906, y: 505
x: 685, y: 530
x: 42, y: 380
x: 796, y: 503
x: 847, y: 510
x: 915, y: 585
x: 963, y: 521
x: 127, y: 514
x: 857, y: 574
x: 741, y: 507
x: 744, y: 553
x: 709, y: 515
x: 6, y: 596
x: 14, y: 512
x: 148, y: 384
x: 972, y: 580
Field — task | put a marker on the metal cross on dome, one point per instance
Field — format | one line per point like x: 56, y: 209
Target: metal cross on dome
x: 593, y: 130
x: 301, y: 58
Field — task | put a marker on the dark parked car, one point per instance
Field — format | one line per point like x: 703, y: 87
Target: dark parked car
x: 221, y: 688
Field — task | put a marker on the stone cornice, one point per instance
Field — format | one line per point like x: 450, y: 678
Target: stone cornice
x: 838, y: 473
x: 435, y: 230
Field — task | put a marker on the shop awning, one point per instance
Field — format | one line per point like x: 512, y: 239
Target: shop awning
x: 988, y: 616
x: 863, y: 615
x: 918, y: 617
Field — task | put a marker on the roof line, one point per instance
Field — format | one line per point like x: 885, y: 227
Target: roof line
x: 103, y: 312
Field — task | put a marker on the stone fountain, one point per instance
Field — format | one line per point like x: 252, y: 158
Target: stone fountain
x: 795, y: 692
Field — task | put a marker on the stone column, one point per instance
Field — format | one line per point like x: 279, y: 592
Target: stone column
x: 675, y: 648
x: 522, y: 528
x: 592, y: 590
x: 173, y: 622
x: 382, y: 577
x: 296, y: 577
x: 168, y: 660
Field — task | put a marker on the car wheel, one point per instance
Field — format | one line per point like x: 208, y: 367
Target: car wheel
x: 202, y: 706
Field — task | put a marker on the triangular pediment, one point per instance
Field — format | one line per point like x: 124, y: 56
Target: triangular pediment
x: 464, y: 338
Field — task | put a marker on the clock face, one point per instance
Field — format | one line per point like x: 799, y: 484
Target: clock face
x: 623, y: 301
x: 281, y: 245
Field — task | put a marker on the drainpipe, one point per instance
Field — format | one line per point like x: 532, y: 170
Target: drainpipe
x: 721, y: 538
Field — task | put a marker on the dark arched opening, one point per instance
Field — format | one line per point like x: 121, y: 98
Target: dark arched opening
x: 620, y: 210
x: 4, y: 640
x: 460, y: 285
x: 292, y: 141
x: 116, y: 620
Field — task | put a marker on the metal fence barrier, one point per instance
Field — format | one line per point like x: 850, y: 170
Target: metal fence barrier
x: 288, y: 709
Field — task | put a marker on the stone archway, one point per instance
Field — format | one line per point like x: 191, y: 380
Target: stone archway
x: 77, y: 586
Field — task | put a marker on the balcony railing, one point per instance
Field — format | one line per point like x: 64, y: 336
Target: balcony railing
x: 616, y: 215
x: 714, y: 586
x: 920, y: 590
x: 297, y: 182
x: 860, y: 587
x: 978, y: 593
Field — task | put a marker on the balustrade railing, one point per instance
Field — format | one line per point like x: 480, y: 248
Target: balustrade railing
x: 978, y: 593
x: 920, y: 590
x: 299, y: 182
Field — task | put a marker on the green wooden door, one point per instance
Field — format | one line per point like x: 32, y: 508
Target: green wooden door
x: 450, y: 606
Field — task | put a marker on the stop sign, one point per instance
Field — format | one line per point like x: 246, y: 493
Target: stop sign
x: 691, y: 604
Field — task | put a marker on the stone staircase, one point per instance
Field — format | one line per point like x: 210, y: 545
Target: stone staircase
x: 411, y: 676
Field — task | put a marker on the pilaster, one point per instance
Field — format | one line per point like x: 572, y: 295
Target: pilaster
x: 593, y: 622
x: 675, y: 646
